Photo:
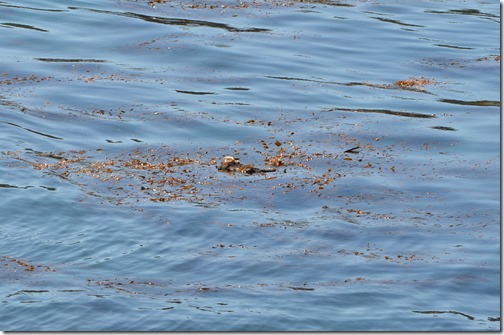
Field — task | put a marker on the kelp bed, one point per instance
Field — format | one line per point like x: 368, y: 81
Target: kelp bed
x: 164, y: 175
x: 242, y: 4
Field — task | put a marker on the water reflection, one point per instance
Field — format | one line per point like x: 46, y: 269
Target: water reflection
x: 175, y: 21
x: 377, y: 207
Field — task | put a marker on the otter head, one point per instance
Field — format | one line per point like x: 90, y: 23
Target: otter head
x: 230, y: 159
x: 228, y: 163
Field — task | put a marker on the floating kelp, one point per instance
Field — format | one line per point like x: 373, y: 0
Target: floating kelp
x: 18, y: 79
x: 11, y: 264
x: 462, y: 63
x: 244, y: 4
x: 412, y: 84
x: 163, y: 174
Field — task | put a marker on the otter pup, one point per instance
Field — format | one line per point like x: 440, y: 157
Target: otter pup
x: 231, y: 164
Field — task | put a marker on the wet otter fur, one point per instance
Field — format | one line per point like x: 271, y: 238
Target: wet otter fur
x: 231, y: 164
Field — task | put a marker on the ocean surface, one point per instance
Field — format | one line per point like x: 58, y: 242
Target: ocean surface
x: 381, y: 118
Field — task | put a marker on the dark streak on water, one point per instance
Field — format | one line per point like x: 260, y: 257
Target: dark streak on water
x: 178, y: 22
x: 62, y: 60
x: 472, y: 103
x: 31, y: 130
x: 384, y: 111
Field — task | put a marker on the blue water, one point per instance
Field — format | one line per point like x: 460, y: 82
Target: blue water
x: 114, y: 115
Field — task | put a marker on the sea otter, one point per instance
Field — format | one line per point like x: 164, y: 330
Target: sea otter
x: 231, y: 164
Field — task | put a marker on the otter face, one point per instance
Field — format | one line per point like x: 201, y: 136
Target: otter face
x: 230, y: 159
